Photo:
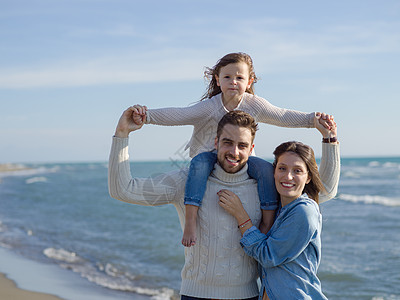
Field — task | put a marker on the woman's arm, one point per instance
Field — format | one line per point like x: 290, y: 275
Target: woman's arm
x: 287, y: 241
x: 287, y: 238
x: 329, y: 169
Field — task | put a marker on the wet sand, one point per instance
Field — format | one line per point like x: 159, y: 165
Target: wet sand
x: 9, y: 290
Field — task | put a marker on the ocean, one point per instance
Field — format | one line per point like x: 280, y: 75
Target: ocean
x: 60, y: 216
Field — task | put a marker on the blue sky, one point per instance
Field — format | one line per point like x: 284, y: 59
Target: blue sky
x: 69, y: 68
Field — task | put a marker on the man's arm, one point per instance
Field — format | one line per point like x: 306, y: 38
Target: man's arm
x: 162, y: 189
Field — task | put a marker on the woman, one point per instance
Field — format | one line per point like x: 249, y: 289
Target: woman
x: 290, y: 253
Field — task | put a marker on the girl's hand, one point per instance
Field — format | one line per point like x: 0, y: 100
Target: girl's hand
x: 323, y: 119
x: 139, y: 114
x: 321, y: 125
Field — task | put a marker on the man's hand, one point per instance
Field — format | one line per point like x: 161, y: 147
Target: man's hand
x: 132, y: 119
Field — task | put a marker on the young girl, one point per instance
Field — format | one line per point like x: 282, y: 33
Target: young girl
x: 230, y: 88
x: 290, y: 253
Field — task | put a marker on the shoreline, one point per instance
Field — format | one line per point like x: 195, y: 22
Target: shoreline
x: 12, y: 167
x: 10, y: 290
x: 22, y: 279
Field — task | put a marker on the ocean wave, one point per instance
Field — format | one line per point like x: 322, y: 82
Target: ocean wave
x: 387, y: 164
x: 370, y: 199
x: 29, y: 171
x: 107, y: 275
x: 118, y: 280
x: 62, y: 255
x: 35, y: 179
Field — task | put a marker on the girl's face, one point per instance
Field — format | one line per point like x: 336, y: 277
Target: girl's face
x: 233, y: 79
x: 291, y: 176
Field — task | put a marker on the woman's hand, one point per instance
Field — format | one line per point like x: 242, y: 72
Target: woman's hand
x: 320, y: 124
x: 231, y: 203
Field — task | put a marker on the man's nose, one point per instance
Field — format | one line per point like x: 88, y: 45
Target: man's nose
x: 235, y: 150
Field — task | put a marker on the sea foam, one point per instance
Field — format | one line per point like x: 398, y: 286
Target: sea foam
x: 370, y: 199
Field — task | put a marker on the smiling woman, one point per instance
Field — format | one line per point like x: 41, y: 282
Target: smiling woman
x: 290, y: 253
x: 291, y: 176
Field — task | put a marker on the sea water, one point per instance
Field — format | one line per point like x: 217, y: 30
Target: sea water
x: 61, y: 215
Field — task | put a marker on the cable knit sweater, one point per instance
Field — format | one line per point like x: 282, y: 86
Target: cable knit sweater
x: 205, y: 115
x: 217, y: 266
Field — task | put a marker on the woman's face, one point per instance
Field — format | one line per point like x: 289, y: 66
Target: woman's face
x: 291, y: 175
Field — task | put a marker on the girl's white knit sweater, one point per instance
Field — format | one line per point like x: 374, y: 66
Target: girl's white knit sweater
x: 205, y: 115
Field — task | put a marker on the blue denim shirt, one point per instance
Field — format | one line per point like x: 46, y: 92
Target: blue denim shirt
x: 290, y: 253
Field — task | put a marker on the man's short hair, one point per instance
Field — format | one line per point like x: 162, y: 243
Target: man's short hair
x: 238, y: 118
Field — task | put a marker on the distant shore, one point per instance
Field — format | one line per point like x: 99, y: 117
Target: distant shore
x: 12, y: 167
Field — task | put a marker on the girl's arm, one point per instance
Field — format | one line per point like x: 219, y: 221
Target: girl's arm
x: 175, y: 116
x: 265, y: 112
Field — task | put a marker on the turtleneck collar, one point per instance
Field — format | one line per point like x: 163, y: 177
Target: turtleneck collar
x: 239, y: 176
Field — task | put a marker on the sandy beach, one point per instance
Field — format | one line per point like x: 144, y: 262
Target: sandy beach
x: 9, y: 291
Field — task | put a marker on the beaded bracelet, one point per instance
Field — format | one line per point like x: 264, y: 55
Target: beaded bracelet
x: 244, y: 223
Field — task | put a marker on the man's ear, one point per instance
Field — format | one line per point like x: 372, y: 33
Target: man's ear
x: 216, y: 142
x: 252, y: 148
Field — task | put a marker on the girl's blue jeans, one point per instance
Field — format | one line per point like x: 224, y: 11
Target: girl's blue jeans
x: 259, y: 169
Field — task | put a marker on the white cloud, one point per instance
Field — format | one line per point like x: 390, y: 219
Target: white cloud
x: 275, y: 45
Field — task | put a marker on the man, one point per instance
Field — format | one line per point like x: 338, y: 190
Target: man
x: 216, y: 267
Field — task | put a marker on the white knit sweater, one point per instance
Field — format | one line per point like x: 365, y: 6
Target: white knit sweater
x: 217, y: 266
x: 205, y: 115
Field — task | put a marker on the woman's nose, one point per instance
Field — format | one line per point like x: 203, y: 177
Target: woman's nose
x: 289, y: 175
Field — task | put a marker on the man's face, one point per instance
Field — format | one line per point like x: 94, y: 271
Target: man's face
x: 234, y: 147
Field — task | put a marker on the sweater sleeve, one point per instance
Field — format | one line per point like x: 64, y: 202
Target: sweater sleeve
x: 152, y: 191
x: 329, y: 170
x: 178, y: 116
x: 283, y: 244
x: 265, y: 112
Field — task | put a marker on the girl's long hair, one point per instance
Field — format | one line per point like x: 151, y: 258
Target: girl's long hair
x: 231, y: 58
x: 306, y: 153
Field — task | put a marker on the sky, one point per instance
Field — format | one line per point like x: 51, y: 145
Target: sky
x: 68, y: 69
